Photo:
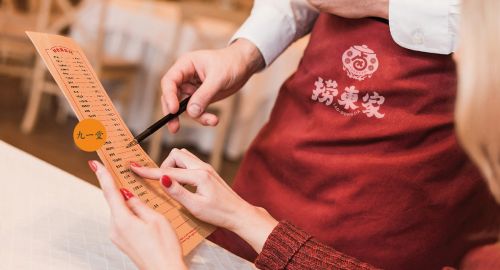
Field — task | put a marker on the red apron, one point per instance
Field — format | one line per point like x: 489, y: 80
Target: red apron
x: 360, y: 152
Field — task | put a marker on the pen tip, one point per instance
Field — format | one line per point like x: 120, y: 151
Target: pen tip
x: 132, y: 143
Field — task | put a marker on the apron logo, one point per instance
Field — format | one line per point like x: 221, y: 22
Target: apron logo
x: 349, y: 98
x: 372, y: 105
x: 360, y: 62
x: 325, y: 91
x: 348, y: 103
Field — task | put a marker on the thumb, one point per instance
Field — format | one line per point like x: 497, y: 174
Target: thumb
x: 141, y: 210
x: 202, y: 97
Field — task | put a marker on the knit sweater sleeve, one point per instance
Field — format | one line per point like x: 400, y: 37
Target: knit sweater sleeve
x: 288, y: 247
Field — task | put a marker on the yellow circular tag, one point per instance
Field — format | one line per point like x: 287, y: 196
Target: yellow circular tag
x: 89, y: 135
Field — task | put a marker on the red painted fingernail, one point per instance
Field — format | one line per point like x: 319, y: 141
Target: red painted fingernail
x: 165, y: 181
x: 92, y: 165
x: 135, y: 164
x: 126, y: 194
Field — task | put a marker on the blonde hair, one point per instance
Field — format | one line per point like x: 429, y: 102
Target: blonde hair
x: 477, y: 111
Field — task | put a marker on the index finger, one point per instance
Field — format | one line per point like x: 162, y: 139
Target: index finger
x: 181, y: 72
x: 114, y: 198
x: 183, y: 159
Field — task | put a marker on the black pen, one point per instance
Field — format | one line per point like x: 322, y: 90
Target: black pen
x: 160, y: 123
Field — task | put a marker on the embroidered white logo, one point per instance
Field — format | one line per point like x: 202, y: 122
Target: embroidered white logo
x: 325, y: 91
x: 360, y: 62
x: 372, y: 105
x: 349, y: 97
x: 347, y: 104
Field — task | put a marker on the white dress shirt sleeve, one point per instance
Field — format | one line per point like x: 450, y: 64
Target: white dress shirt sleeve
x: 274, y: 24
x: 426, y: 26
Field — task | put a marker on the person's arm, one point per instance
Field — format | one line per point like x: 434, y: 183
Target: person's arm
x: 281, y: 245
x: 211, y: 75
x: 289, y: 247
x: 426, y: 26
x: 274, y: 24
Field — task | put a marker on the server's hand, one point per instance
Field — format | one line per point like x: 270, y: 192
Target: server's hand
x: 209, y: 76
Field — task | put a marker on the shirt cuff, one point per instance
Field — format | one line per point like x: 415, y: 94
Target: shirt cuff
x: 423, y: 25
x: 269, y: 30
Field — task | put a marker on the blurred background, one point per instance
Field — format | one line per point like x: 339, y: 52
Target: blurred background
x: 131, y: 44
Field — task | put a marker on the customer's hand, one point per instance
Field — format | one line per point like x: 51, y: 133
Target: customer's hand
x: 353, y: 8
x: 140, y: 232
x: 214, y: 201
x: 209, y: 76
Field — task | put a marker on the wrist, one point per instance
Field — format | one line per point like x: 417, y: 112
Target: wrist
x: 251, y: 59
x: 254, y: 225
x: 178, y: 263
x: 381, y: 9
x: 168, y: 262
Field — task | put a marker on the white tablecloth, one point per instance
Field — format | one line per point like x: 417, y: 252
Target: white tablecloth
x: 148, y: 29
x: 50, y: 219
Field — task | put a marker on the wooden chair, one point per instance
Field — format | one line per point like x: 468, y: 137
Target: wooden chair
x: 16, y: 52
x: 193, y: 14
x: 106, y: 68
x: 245, y: 5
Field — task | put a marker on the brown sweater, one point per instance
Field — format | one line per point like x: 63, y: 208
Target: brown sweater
x: 288, y: 247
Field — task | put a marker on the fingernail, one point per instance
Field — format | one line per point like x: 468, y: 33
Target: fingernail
x: 213, y: 122
x: 126, y: 194
x: 194, y: 109
x: 135, y: 164
x: 92, y: 165
x: 165, y: 181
